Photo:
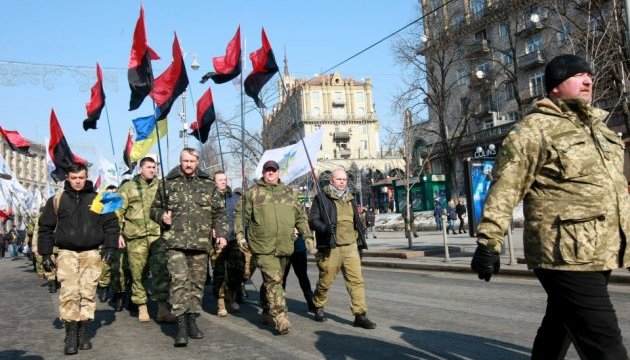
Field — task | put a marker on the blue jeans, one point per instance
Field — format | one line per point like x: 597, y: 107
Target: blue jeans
x: 13, y: 251
x: 373, y: 231
x: 438, y: 222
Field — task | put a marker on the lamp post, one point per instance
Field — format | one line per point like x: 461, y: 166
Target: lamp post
x: 183, y: 133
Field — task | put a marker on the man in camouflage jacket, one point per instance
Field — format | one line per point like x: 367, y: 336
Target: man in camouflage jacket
x: 188, y: 209
x: 567, y: 167
x: 272, y: 212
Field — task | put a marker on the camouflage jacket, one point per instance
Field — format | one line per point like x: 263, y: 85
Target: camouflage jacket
x: 137, y: 197
x: 196, y: 210
x: 271, y: 213
x: 567, y: 167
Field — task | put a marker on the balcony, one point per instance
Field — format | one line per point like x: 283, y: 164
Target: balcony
x: 531, y: 24
x: 533, y: 59
x: 341, y: 135
x: 345, y: 153
x: 479, y: 47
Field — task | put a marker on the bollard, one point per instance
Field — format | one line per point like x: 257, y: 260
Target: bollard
x: 510, y: 245
x: 447, y: 258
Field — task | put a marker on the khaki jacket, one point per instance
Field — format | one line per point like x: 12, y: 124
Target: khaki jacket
x: 138, y: 195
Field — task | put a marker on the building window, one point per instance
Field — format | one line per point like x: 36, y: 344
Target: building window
x: 504, y: 29
x: 506, y: 58
x: 315, y: 97
x: 513, y: 116
x: 462, y: 77
x: 364, y: 129
x: 457, y: 20
x: 338, y: 99
x: 363, y: 144
x: 534, y: 44
x: 481, y: 35
x: 316, y: 112
x: 463, y: 106
x: 478, y: 7
x: 536, y: 84
x: 360, y: 97
x: 459, y: 51
x: 338, y: 112
x: 509, y: 91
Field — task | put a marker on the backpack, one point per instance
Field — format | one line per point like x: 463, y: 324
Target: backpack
x: 57, y: 201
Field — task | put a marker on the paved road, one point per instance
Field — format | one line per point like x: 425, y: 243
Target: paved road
x: 420, y: 315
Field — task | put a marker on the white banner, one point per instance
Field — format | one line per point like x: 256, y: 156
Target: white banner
x: 108, y: 172
x: 292, y: 159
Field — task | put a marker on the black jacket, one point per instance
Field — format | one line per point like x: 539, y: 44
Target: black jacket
x: 75, y: 227
x: 318, y: 222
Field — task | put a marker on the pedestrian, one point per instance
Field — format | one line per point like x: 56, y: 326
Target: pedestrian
x: 339, y: 233
x: 188, y: 209
x: 145, y: 250
x: 566, y: 166
x: 271, y: 212
x: 12, y: 239
x: 228, y: 263
x: 410, y: 226
x: 298, y: 260
x: 437, y: 214
x: 460, y: 209
x: 68, y: 223
x: 370, y: 221
x: 451, y: 215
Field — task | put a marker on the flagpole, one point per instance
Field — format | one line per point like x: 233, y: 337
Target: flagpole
x: 244, y: 178
x: 111, y: 140
x: 157, y: 133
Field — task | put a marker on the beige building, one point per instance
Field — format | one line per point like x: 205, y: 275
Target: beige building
x: 344, y: 108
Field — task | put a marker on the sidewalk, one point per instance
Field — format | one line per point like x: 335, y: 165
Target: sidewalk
x: 390, y: 250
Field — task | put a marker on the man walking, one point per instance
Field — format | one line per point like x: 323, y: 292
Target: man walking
x: 188, y: 209
x: 339, y: 233
x: 567, y: 167
x: 271, y: 212
x: 68, y: 223
x: 460, y: 209
x: 141, y: 236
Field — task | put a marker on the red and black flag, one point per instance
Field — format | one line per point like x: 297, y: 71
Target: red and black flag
x: 264, y: 68
x: 97, y: 101
x: 172, y: 83
x: 205, y: 117
x: 59, y: 150
x: 15, y: 140
x: 140, y: 73
x: 228, y: 66
x: 127, y: 154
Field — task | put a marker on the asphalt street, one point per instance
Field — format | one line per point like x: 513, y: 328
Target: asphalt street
x: 420, y: 315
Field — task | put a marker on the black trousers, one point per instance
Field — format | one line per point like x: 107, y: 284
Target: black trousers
x: 579, y: 311
x: 298, y: 260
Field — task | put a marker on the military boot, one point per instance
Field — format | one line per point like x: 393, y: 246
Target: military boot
x: 71, y: 341
x: 52, y: 286
x: 282, y: 323
x: 221, y: 311
x: 266, y: 318
x: 119, y: 301
x: 360, y: 320
x: 103, y: 293
x: 84, y: 337
x: 193, y: 330
x: 309, y: 301
x: 143, y: 313
x: 320, y: 316
x: 181, y: 339
x: 164, y: 314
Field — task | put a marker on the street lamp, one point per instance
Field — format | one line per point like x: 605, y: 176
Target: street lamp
x: 183, y: 133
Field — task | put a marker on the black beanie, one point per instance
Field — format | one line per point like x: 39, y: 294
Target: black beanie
x: 563, y: 67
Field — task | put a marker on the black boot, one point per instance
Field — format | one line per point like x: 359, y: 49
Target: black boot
x: 309, y: 301
x: 52, y: 286
x: 119, y: 301
x: 84, y: 337
x: 181, y: 339
x: 103, y: 293
x: 320, y: 316
x: 193, y: 330
x: 361, y: 320
x: 71, y: 342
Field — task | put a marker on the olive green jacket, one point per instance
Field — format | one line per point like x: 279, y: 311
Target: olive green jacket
x: 567, y: 167
x: 271, y: 214
x: 196, y: 210
x: 138, y: 195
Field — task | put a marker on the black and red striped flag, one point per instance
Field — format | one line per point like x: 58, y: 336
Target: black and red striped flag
x: 228, y: 66
x: 97, y: 101
x: 127, y: 154
x: 59, y: 150
x: 15, y: 140
x: 172, y: 83
x: 205, y: 117
x: 140, y: 72
x: 264, y: 68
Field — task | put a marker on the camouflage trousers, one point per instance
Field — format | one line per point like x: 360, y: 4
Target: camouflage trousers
x: 272, y: 298
x: 115, y: 275
x: 39, y: 268
x: 188, y: 271
x: 345, y: 258
x: 149, y: 251
x: 78, y: 273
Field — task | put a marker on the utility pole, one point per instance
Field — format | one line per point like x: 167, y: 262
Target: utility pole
x: 407, y: 158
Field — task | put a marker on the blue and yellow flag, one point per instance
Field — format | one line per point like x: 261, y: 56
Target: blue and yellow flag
x: 146, y: 135
x: 106, y: 202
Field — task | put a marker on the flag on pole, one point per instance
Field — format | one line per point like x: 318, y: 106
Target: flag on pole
x: 59, y: 150
x: 35, y: 202
x: 205, y: 117
x: 172, y: 83
x: 127, y: 154
x: 108, y: 172
x: 264, y: 67
x: 15, y: 140
x: 228, y: 66
x: 97, y: 101
x: 106, y: 202
x: 292, y: 159
x: 146, y: 135
x: 140, y: 73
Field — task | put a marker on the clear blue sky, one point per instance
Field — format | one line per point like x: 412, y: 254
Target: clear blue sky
x: 316, y: 35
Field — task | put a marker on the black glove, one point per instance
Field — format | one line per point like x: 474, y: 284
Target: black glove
x: 485, y: 262
x: 108, y: 255
x: 47, y: 263
x: 331, y: 229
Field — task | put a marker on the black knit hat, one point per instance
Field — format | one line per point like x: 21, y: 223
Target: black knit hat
x: 563, y: 67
